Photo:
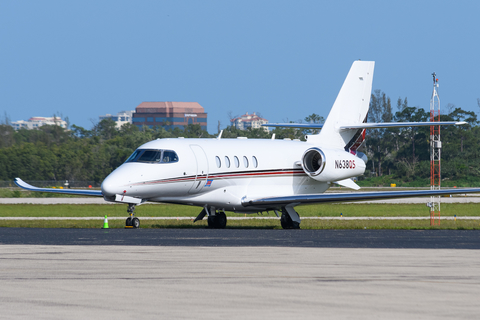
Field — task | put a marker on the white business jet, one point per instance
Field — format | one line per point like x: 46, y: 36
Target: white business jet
x: 260, y: 175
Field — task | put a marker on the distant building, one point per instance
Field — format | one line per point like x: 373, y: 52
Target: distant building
x: 36, y: 122
x: 170, y: 115
x: 121, y: 118
x: 249, y: 121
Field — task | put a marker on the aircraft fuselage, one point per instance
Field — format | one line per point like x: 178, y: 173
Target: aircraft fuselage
x: 221, y: 172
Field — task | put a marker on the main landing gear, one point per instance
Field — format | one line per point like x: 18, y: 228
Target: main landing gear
x: 216, y: 219
x: 290, y: 218
x: 132, y: 221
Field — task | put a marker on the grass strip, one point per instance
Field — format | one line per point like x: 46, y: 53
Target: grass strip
x: 167, y: 210
x: 170, y: 210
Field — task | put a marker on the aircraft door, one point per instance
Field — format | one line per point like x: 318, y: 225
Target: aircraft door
x: 202, y: 169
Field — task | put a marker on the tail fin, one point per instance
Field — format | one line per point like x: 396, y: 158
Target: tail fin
x: 350, y: 107
x: 346, y: 123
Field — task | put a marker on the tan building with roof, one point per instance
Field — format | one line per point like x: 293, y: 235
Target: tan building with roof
x: 36, y: 122
x: 249, y: 121
x: 120, y: 119
x: 169, y: 114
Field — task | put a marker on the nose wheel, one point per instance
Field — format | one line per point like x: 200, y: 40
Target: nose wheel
x: 132, y: 221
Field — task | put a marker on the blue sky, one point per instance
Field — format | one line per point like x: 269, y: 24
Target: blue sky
x: 283, y: 59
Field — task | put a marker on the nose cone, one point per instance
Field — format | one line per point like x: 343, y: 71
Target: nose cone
x: 112, y: 185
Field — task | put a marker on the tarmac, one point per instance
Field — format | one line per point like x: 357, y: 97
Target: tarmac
x: 238, y: 274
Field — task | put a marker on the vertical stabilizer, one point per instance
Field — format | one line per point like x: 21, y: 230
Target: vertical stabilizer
x: 350, y: 107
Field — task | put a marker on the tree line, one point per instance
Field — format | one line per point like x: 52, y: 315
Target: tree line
x: 78, y: 154
x: 401, y: 154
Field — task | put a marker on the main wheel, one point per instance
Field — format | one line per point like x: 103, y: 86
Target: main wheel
x: 218, y: 221
x: 287, y: 222
x: 136, y: 223
x: 211, y: 221
x: 221, y: 220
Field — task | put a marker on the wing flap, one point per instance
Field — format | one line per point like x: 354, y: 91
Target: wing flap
x: 354, y: 196
x: 22, y: 184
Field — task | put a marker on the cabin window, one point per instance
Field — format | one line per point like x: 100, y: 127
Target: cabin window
x: 134, y: 155
x: 150, y: 156
x: 237, y: 162
x: 169, y: 156
x: 219, y: 163
x: 255, y: 162
x: 245, y: 162
x: 227, y: 161
x: 153, y: 156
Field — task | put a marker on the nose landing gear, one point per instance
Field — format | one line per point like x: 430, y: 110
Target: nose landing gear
x: 132, y: 221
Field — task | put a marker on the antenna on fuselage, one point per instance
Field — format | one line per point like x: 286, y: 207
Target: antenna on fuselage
x: 273, y: 136
x: 220, y: 135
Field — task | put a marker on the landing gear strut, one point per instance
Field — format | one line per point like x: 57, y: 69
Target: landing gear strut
x: 132, y: 221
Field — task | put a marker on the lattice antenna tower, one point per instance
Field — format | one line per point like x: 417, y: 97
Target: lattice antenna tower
x: 435, y: 154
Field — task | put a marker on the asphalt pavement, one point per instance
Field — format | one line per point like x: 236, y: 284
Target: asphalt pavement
x: 364, y: 238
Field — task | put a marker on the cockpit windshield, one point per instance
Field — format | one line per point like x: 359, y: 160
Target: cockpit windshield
x: 153, y: 156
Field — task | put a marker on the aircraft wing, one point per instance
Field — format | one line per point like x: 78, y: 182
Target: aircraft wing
x: 22, y: 184
x: 353, y: 196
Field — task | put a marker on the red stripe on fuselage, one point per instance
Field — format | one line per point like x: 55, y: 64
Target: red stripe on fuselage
x: 229, y: 175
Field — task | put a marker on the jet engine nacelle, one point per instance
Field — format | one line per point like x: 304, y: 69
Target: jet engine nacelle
x: 331, y: 165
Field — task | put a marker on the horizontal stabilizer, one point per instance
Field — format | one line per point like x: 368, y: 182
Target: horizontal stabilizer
x: 353, y: 196
x: 366, y: 125
x: 349, y: 183
x: 22, y: 184
x: 399, y: 124
x: 295, y: 125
